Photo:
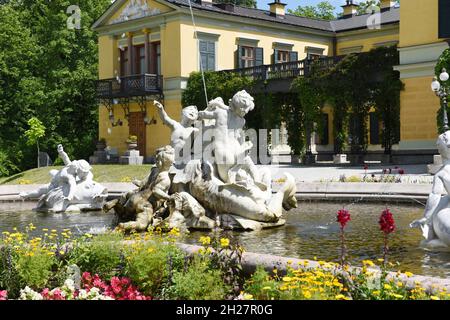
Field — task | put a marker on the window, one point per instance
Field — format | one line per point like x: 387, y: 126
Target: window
x: 247, y: 56
x: 444, y: 21
x: 314, y: 53
x: 124, y: 62
x: 158, y: 58
x: 208, y: 55
x: 139, y: 60
x: 313, y: 56
x: 282, y: 56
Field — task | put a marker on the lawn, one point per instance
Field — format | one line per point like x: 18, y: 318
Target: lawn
x: 102, y: 173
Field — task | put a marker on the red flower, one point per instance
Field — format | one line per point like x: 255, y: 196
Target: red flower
x: 3, y: 295
x: 366, y: 167
x: 387, y: 222
x: 401, y: 171
x: 343, y: 216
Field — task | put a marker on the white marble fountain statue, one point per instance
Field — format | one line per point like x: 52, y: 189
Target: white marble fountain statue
x: 72, y: 189
x: 435, y: 224
x: 216, y: 186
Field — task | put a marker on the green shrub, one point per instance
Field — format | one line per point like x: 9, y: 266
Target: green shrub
x: 198, y: 282
x: 35, y: 268
x: 258, y: 285
x: 149, y: 265
x: 9, y: 277
x: 102, y: 255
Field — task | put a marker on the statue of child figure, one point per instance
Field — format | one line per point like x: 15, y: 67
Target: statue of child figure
x: 183, y: 132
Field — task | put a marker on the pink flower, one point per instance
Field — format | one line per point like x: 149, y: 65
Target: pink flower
x: 343, y: 216
x: 387, y: 222
x: 3, y: 295
x: 57, y: 295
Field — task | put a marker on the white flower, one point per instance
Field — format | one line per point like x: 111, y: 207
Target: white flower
x: 29, y: 294
x: 70, y: 285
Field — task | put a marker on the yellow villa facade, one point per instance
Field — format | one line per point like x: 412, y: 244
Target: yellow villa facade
x: 165, y: 50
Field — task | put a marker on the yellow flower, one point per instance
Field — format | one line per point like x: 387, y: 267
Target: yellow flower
x: 387, y: 286
x: 434, y: 298
x: 61, y: 252
x: 341, y: 297
x: 307, y: 294
x: 376, y: 293
x: 380, y: 260
x: 408, y: 274
x: 287, y: 279
x: 396, y: 295
x: 248, y: 296
x: 399, y: 284
x: 88, y: 235
x: 224, y: 242
x: 267, y: 288
x: 368, y: 263
x: 54, y: 231
x: 205, y: 240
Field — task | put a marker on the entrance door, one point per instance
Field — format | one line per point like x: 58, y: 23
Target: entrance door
x: 155, y: 58
x: 137, y: 128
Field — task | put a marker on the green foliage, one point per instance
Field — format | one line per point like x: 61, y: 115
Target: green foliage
x: 7, y: 166
x: 198, y: 282
x: 149, y: 265
x: 218, y: 84
x: 352, y: 87
x: 102, y: 255
x: 35, y: 132
x: 35, y: 268
x: 323, y: 10
x: 48, y: 71
x: 241, y: 3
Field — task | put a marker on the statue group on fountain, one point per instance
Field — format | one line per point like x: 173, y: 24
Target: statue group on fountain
x: 218, y: 185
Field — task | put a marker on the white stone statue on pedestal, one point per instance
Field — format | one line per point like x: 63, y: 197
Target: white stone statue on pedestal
x: 71, y: 189
x: 435, y: 224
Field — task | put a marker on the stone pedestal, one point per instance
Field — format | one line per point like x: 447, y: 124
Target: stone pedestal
x: 132, y: 157
x: 340, y: 159
x: 437, y: 164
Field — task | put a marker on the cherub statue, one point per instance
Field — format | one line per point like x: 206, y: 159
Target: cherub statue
x: 229, y: 145
x: 435, y: 224
x: 138, y: 208
x: 182, y: 132
x: 71, y: 189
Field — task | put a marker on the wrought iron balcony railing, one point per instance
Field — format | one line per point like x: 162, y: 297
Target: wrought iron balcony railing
x: 284, y: 70
x: 130, y: 86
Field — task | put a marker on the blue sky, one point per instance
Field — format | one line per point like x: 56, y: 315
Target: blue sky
x: 292, y: 4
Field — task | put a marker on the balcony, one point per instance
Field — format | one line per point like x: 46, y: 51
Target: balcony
x: 130, y: 86
x: 285, y: 70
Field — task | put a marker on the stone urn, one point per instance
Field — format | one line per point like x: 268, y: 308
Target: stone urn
x: 132, y: 143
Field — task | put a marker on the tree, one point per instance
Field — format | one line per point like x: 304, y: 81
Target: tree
x: 242, y: 3
x: 34, y: 133
x: 364, y: 5
x: 323, y: 10
x: 48, y: 71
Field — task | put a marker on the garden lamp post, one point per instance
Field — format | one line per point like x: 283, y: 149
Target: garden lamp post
x: 441, y: 92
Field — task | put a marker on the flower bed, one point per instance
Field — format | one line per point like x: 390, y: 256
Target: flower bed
x: 114, y: 266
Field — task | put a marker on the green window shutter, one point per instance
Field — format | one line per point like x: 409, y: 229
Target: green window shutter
x: 259, y: 56
x: 275, y: 56
x: 293, y: 56
x: 239, y: 62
